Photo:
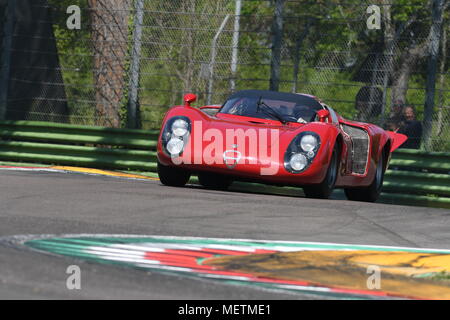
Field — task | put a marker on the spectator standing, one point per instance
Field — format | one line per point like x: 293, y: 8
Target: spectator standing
x: 411, y: 128
x: 396, y: 114
x: 396, y: 117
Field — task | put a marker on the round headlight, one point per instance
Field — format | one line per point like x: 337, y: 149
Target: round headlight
x: 175, y: 146
x: 308, y: 143
x: 298, y: 162
x: 180, y: 127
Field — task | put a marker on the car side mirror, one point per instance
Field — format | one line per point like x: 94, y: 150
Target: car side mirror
x: 189, y: 98
x: 323, y: 115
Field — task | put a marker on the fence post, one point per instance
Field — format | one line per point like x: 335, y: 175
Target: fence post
x: 373, y: 99
x: 298, y: 47
x: 133, y: 102
x: 436, y: 31
x: 234, y: 53
x: 386, y: 74
x: 277, y: 41
x: 5, y: 61
x: 213, y: 58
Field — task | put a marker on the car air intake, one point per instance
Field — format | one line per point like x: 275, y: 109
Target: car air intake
x: 360, y: 148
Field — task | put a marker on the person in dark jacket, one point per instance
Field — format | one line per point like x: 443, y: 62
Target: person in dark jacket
x: 396, y: 117
x: 411, y: 128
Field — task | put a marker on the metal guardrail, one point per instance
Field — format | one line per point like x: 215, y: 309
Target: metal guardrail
x: 49, y: 132
x: 414, y: 177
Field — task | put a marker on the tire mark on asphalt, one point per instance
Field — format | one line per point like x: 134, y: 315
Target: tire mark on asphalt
x: 391, y: 235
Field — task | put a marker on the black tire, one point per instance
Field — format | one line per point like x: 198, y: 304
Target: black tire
x: 214, y: 181
x: 172, y: 176
x: 372, y: 192
x: 326, y: 187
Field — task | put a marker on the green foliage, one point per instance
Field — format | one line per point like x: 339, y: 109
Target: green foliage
x: 404, y: 9
x: 441, y: 276
x: 75, y: 58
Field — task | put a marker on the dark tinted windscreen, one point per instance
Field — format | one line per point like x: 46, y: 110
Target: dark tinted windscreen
x: 264, y: 105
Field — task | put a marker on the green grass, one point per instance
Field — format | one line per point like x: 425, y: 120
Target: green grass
x: 441, y: 276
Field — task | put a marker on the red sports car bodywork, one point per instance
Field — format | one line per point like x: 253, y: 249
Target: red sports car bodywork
x: 326, y: 152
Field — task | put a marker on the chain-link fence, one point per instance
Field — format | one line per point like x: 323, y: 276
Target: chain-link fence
x: 132, y: 59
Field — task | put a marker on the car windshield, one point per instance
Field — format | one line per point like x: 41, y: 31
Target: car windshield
x: 284, y: 107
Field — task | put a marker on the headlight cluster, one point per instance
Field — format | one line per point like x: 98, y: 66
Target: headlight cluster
x: 301, y: 152
x: 175, y: 135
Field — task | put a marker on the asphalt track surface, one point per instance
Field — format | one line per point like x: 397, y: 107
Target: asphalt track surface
x: 69, y: 203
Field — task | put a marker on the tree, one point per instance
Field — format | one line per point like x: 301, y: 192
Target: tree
x: 109, y: 32
x: 397, y: 23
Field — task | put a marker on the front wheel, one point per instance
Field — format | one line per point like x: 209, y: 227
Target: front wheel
x: 324, y: 189
x: 172, y: 176
x: 372, y: 192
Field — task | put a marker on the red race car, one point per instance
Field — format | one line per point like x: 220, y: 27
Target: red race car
x: 274, y: 138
